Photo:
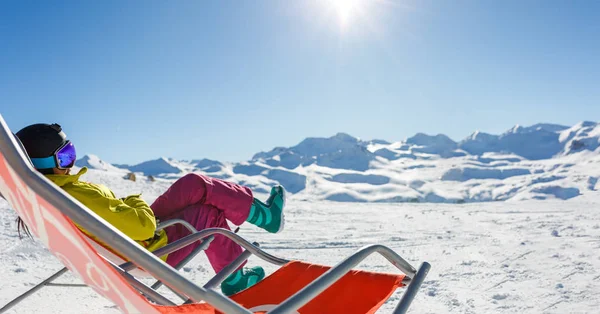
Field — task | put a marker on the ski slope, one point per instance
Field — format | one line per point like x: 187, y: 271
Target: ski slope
x: 496, y: 257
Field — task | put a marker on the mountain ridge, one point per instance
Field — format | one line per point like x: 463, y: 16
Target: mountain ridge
x: 428, y: 168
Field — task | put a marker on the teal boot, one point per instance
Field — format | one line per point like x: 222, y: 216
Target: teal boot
x: 269, y: 215
x: 242, y: 279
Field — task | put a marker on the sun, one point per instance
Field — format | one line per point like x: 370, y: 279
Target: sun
x: 346, y: 10
x: 353, y: 18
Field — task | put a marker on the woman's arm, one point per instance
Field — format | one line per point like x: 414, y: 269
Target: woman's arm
x: 131, y: 215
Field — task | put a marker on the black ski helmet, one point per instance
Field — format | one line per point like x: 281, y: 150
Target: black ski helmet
x: 42, y: 140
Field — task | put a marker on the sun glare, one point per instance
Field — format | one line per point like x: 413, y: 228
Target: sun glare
x: 355, y: 17
x: 346, y: 10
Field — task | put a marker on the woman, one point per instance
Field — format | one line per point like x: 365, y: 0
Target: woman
x: 200, y: 200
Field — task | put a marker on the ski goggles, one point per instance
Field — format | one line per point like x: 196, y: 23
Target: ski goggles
x: 63, y: 158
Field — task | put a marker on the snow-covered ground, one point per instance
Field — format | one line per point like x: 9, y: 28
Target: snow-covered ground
x: 495, y: 257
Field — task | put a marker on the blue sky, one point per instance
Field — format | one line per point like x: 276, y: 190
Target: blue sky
x: 135, y: 80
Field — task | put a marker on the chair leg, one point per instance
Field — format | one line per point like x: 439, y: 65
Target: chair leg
x: 33, y: 290
x: 412, y: 289
x: 229, y: 269
x: 203, y: 246
x: 147, y: 291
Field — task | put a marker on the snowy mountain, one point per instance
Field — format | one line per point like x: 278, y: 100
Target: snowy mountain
x: 583, y: 136
x: 154, y: 167
x: 340, y: 151
x: 537, y: 162
x: 540, y: 141
x: 439, y: 145
x: 94, y: 162
x: 207, y: 165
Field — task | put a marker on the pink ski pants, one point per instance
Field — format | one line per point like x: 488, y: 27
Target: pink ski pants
x: 204, y: 202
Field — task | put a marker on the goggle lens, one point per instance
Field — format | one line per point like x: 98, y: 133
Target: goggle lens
x: 66, y: 156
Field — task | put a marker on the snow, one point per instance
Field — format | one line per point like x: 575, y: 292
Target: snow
x: 536, y: 142
x: 583, y: 136
x: 360, y: 178
x: 439, y: 144
x: 207, y: 164
x: 94, y: 162
x: 515, y: 165
x: 387, y: 154
x: 497, y: 257
x: 465, y: 174
x: 319, y: 146
x: 547, y: 127
x: 249, y: 169
x: 294, y: 182
x: 509, y: 222
x: 155, y: 167
x: 340, y: 151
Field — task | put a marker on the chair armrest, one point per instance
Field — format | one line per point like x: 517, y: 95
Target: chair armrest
x: 171, y: 222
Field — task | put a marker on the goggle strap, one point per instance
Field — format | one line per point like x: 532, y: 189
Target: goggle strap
x: 44, y: 163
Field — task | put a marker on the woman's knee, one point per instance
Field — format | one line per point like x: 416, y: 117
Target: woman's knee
x: 195, y: 178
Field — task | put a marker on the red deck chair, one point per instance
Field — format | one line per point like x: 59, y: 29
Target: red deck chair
x: 297, y: 287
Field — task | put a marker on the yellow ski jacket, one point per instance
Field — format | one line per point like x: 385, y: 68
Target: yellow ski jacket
x: 131, y: 215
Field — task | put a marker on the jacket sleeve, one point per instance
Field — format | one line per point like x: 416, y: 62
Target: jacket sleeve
x: 131, y: 215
